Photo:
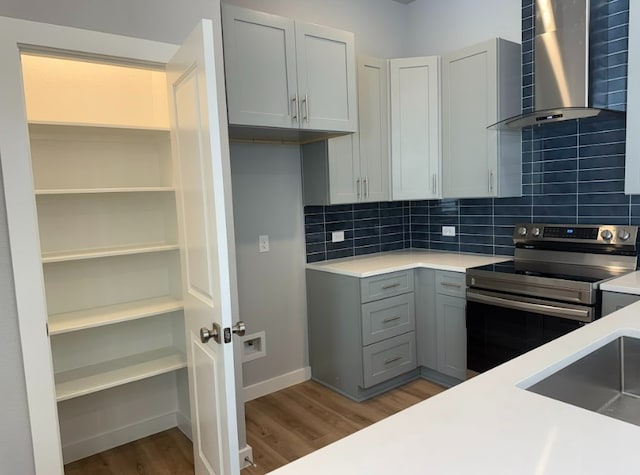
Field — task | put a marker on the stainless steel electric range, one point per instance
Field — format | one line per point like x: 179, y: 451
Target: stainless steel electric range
x: 549, y: 289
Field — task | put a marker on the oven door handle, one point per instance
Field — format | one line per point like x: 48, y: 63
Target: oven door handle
x: 578, y: 314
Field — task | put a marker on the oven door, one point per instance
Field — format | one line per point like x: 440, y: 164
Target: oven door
x: 503, y: 326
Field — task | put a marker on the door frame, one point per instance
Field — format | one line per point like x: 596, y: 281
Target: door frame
x: 26, y: 36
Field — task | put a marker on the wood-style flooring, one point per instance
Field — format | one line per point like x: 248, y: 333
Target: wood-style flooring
x: 281, y: 427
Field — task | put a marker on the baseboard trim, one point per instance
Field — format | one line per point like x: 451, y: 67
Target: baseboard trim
x: 184, y: 424
x: 272, y: 385
x: 123, y: 435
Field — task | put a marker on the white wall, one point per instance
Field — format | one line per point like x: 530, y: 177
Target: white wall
x: 379, y: 25
x: 15, y: 442
x: 442, y: 26
x: 267, y: 199
x: 169, y: 21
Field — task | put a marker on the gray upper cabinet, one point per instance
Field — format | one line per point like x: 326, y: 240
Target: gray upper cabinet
x: 481, y: 86
x: 288, y: 74
x: 632, y: 168
x: 354, y: 168
x: 415, y: 128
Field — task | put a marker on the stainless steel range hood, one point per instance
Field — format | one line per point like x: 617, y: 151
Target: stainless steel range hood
x: 561, y: 65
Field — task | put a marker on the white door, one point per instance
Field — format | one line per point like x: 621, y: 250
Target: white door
x: 201, y: 153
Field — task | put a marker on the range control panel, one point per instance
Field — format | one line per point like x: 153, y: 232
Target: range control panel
x: 584, y: 233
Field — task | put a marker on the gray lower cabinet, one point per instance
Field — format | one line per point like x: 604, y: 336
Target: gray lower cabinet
x: 451, y: 323
x: 441, y: 324
x: 361, y: 331
x: 612, y: 301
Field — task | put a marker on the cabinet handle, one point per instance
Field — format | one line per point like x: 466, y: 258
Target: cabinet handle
x: 390, y: 286
x: 449, y: 284
x: 491, y: 181
x: 434, y: 184
x: 305, y: 101
x: 366, y: 187
x: 294, y: 108
x: 392, y: 360
x: 391, y: 319
x: 358, y: 188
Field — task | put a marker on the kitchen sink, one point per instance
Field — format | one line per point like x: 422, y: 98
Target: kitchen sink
x: 606, y: 381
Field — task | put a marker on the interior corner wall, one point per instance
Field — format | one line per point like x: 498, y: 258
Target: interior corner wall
x: 379, y: 25
x: 440, y: 27
x: 267, y: 200
x: 16, y: 450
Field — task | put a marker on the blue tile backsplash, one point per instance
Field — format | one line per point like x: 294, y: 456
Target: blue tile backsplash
x: 572, y: 171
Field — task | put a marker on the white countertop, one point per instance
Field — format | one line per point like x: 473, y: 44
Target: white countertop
x: 489, y: 425
x: 627, y: 284
x: 381, y: 263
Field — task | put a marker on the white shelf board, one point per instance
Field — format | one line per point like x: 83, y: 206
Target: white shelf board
x: 97, y: 125
x: 85, y: 191
x: 95, y: 253
x: 99, y: 316
x: 94, y: 378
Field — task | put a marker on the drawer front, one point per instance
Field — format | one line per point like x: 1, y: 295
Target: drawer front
x: 389, y: 358
x: 451, y: 283
x: 387, y: 318
x: 386, y: 285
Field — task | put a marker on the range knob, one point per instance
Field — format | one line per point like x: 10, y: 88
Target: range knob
x: 535, y: 232
x: 606, y: 235
x: 522, y: 231
x: 623, y: 235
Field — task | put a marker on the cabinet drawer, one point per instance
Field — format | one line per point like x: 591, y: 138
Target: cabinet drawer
x: 451, y: 283
x: 386, y: 285
x: 389, y: 358
x: 386, y: 318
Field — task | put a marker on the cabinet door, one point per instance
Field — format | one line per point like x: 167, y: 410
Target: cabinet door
x: 259, y: 53
x: 469, y: 79
x: 326, y: 65
x: 345, y: 185
x: 415, y: 128
x: 632, y: 168
x: 613, y: 301
x: 373, y: 129
x: 452, y: 336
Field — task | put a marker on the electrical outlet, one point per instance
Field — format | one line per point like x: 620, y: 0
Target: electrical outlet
x: 263, y: 243
x: 448, y: 230
x: 337, y: 236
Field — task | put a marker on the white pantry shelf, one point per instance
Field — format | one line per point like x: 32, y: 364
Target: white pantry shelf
x: 81, y: 254
x: 99, y: 316
x: 98, y: 125
x: 85, y: 191
x: 98, y: 377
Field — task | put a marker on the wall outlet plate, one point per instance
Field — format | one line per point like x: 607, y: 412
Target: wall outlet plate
x: 448, y: 230
x: 337, y: 236
x: 263, y: 243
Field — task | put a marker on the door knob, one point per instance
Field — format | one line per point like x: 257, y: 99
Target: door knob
x: 206, y: 334
x: 239, y: 328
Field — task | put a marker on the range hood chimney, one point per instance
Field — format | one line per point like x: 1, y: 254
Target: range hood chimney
x: 561, y: 65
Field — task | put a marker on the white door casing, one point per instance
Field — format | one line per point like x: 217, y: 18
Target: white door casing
x: 201, y: 154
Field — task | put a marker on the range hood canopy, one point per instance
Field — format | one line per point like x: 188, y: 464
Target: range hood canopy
x: 561, y: 66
